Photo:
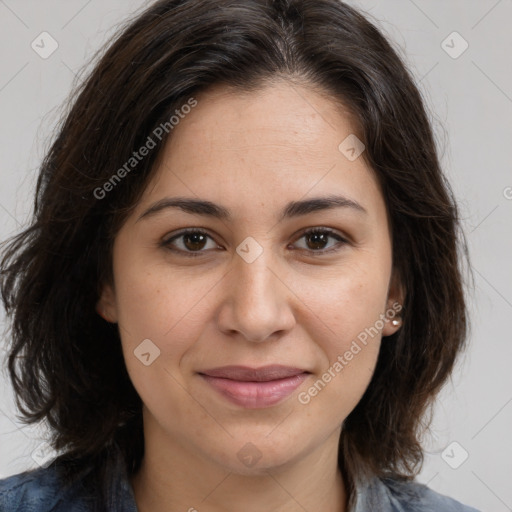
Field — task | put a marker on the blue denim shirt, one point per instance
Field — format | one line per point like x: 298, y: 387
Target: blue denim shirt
x: 41, y: 490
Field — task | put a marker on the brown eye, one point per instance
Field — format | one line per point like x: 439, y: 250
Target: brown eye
x: 194, y: 241
x: 317, y: 239
x: 191, y: 242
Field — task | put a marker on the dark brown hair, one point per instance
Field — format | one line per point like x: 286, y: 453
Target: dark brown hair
x: 66, y: 363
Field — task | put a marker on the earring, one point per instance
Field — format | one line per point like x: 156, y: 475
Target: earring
x: 103, y: 314
x: 396, y: 322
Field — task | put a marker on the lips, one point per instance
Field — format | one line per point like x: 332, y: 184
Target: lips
x: 246, y: 374
x: 254, y: 388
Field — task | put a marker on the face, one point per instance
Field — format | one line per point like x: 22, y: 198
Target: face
x: 268, y: 283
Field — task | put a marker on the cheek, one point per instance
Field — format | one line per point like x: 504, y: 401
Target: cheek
x: 157, y: 304
x: 350, y: 348
x: 170, y: 310
x: 156, y: 309
x: 335, y: 392
x: 346, y: 324
x: 345, y: 302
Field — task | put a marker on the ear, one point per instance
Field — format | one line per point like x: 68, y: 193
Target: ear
x: 106, y: 306
x: 394, y: 305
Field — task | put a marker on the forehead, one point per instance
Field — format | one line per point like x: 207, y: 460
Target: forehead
x: 284, y: 115
x: 264, y: 147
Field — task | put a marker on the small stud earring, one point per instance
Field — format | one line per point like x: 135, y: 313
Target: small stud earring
x: 396, y: 322
x: 103, y: 314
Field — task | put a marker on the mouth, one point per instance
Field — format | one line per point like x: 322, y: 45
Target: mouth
x: 255, y: 388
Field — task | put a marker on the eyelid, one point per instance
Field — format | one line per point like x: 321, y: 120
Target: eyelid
x: 165, y: 243
x: 332, y: 233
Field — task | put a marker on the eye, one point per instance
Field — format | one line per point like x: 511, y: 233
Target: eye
x: 318, y: 239
x: 193, y: 241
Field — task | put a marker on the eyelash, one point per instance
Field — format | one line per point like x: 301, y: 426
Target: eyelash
x: 193, y: 254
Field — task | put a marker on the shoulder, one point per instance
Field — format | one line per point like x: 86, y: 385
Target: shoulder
x: 413, y: 496
x: 42, y: 490
x: 407, y: 496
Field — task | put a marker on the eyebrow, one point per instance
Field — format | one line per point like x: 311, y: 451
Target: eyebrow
x: 291, y: 210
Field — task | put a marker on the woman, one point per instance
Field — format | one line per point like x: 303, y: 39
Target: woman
x: 241, y: 289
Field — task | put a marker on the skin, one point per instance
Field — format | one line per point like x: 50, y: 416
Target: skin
x: 251, y: 153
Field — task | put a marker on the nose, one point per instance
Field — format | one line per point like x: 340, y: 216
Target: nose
x: 257, y: 302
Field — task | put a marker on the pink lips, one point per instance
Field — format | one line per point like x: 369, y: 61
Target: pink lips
x: 255, y: 388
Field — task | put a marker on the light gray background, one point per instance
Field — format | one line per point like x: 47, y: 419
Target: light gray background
x: 471, y: 100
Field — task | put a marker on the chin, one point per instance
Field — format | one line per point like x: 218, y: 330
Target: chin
x: 256, y: 455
